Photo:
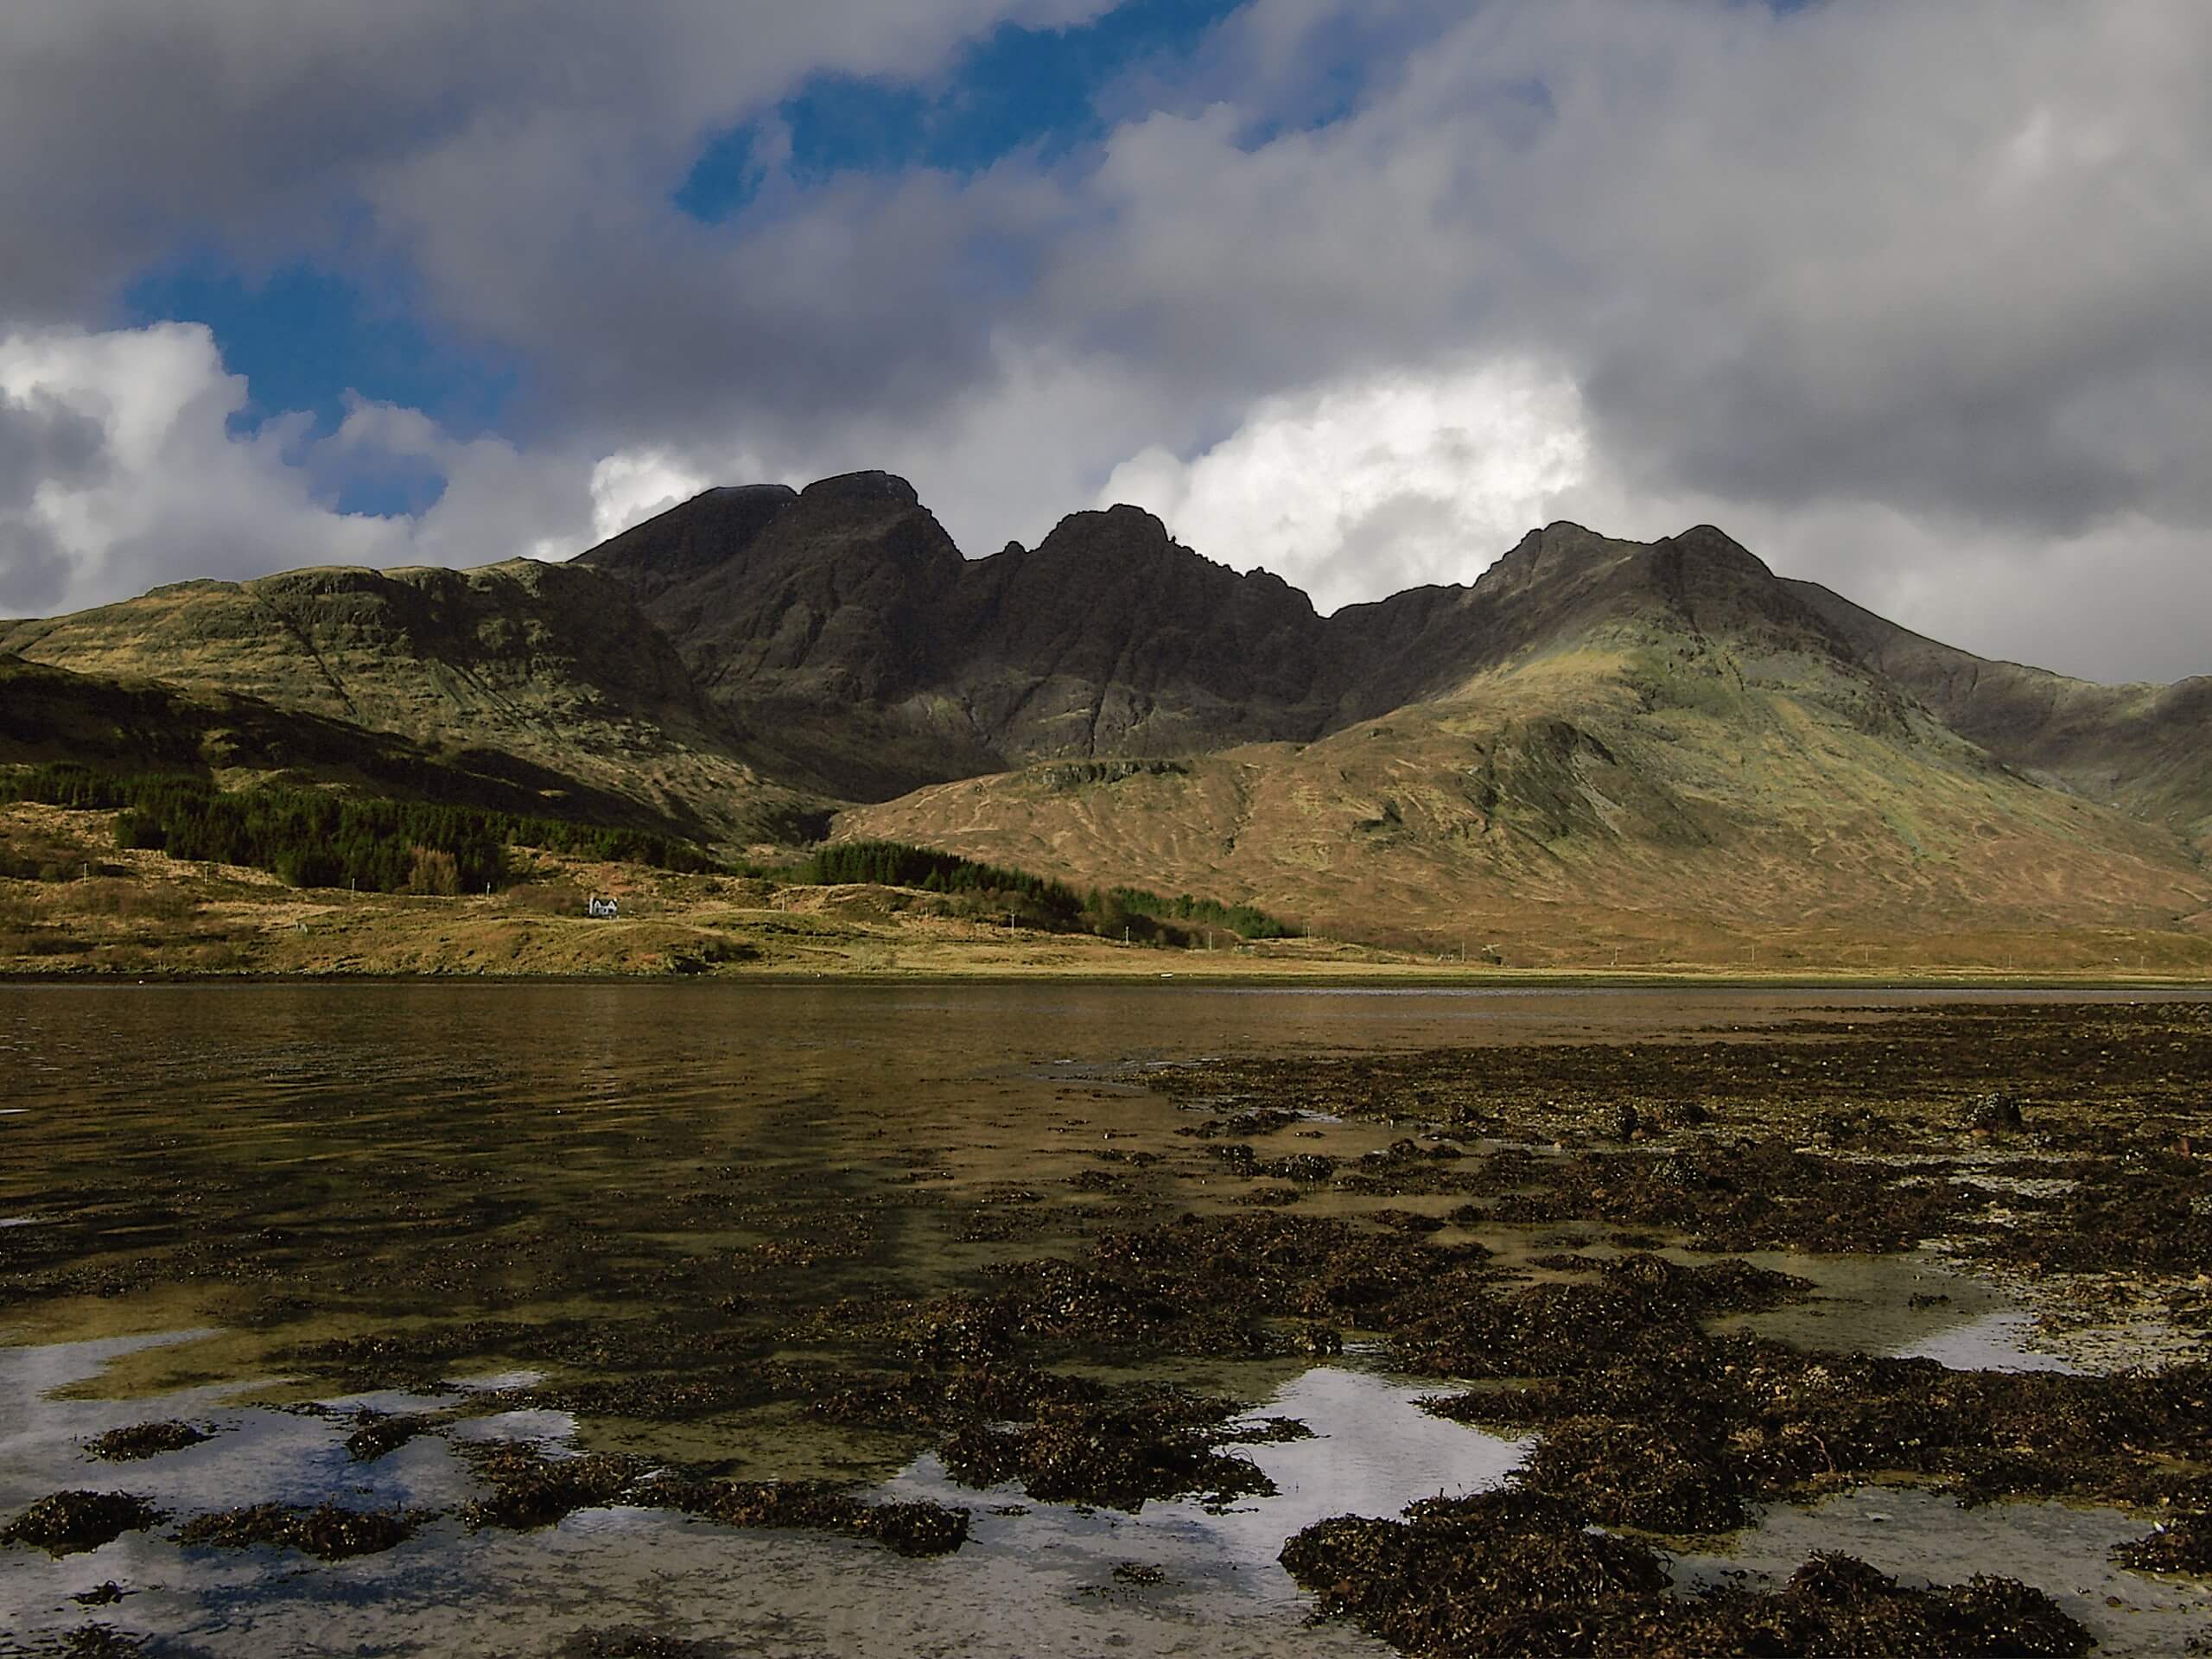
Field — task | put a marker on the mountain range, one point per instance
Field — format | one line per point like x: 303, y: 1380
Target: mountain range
x: 1599, y: 745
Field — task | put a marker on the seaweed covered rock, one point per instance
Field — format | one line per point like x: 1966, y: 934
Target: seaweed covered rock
x: 1522, y: 1574
x: 1212, y: 1285
x: 63, y: 1524
x: 628, y: 1642
x: 2182, y: 1544
x: 329, y: 1532
x: 1994, y: 1113
x: 1488, y: 1574
x: 1733, y: 1196
x: 942, y: 1400
x: 102, y: 1642
x: 145, y: 1441
x: 380, y: 1432
x: 1655, y: 1425
x: 532, y: 1490
x: 2148, y: 1210
x: 1837, y: 1604
x: 1627, y: 1475
x: 1637, y: 1304
x: 1114, y: 1456
x: 918, y: 1528
x: 1309, y: 1166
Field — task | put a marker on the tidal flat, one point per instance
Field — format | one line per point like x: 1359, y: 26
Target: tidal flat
x: 715, y: 1318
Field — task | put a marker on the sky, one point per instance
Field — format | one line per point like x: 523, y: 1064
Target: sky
x: 1912, y: 300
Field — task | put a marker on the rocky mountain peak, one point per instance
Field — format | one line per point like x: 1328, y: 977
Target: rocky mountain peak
x: 870, y: 487
x: 1109, y: 532
x: 695, y: 537
x: 1716, y: 547
x: 1560, y: 550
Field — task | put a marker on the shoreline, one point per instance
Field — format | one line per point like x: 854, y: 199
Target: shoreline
x: 1291, y: 976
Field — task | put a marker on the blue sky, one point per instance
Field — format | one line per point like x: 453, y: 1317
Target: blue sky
x: 1034, y: 90
x: 308, y: 333
x: 1356, y: 289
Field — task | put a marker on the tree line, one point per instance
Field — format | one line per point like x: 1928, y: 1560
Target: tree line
x: 318, y: 838
x: 314, y: 838
x: 1034, y: 900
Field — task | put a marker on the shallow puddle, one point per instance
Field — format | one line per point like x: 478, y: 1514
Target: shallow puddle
x: 1373, y: 1452
x: 1911, y: 1307
x: 1923, y: 1537
x: 1174, y: 1578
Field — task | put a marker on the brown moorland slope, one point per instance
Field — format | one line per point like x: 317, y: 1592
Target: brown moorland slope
x: 1609, y: 835
x: 1662, y: 750
x: 542, y: 671
x: 2147, y: 749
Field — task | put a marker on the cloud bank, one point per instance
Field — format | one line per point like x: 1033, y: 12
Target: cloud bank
x: 1908, y: 298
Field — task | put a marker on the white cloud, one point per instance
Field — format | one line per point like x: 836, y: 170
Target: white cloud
x: 1428, y: 474
x: 162, y: 488
x: 173, y: 491
x: 627, y: 489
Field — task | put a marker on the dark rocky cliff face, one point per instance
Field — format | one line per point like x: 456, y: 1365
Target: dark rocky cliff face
x: 841, y: 628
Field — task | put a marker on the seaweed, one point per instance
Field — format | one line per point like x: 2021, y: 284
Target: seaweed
x: 1110, y: 1457
x: 145, y: 1441
x: 63, y: 1523
x: 913, y: 1528
x: 2180, y: 1545
x: 382, y: 1432
x: 1521, y: 1574
x: 329, y: 1532
x: 629, y: 1642
x: 531, y: 1490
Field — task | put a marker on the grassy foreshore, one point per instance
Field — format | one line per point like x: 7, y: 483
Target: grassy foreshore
x: 81, y: 907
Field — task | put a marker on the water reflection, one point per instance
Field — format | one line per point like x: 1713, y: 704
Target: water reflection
x: 1925, y: 1537
x: 1373, y: 1452
x: 1034, y: 1578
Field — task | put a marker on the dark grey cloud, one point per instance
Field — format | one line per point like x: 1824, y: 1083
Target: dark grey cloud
x: 43, y: 439
x: 1908, y: 297
x: 128, y: 128
x: 35, y: 571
